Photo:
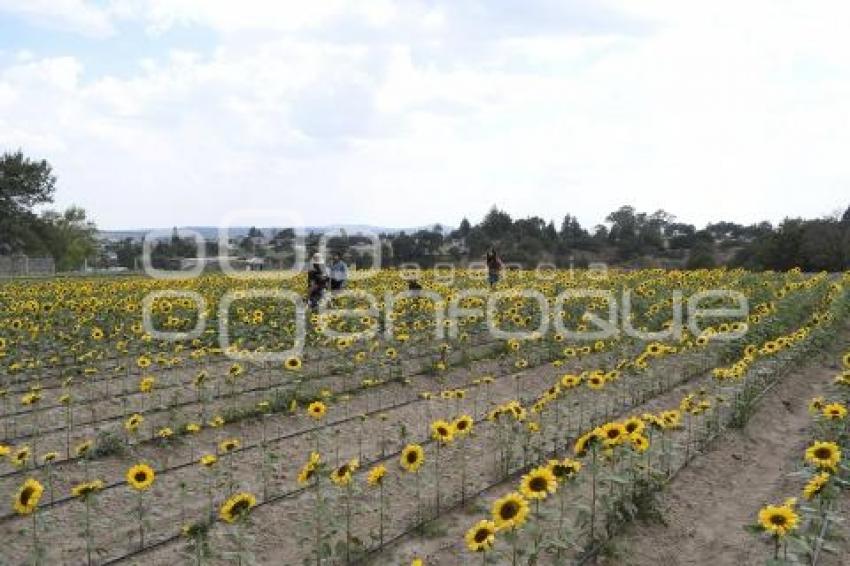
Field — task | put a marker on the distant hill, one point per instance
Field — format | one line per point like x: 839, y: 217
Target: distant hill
x: 211, y: 232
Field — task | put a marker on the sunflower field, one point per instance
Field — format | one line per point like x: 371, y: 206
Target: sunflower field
x: 398, y: 435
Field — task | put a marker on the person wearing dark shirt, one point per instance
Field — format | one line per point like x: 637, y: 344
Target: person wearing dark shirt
x: 317, y: 280
x: 339, y: 273
x: 494, y: 267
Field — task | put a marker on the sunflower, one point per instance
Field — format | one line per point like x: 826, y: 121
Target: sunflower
x: 31, y: 398
x: 671, y: 419
x: 47, y: 458
x: 834, y: 411
x: 538, y: 483
x: 816, y: 485
x: 564, y: 469
x: 634, y: 425
x: 442, y: 431
x: 28, y: 496
x: 133, y: 422
x: 228, y: 445
x: 376, y: 475
x: 82, y: 449
x: 639, y: 443
x: 584, y: 442
x: 85, y: 489
x: 21, y: 456
x: 846, y: 360
x: 412, y: 457
x: 292, y: 363
x: 237, y: 506
x: 823, y: 455
x: 342, y: 475
x: 200, y: 378
x: 778, y: 520
x: 612, y: 434
x: 140, y: 477
x: 481, y: 536
x: 208, y: 460
x: 317, y: 409
x: 310, y: 467
x: 463, y: 425
x: 146, y: 384
x: 596, y: 382
x: 510, y: 511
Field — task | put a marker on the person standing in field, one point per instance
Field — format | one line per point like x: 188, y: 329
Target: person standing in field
x: 494, y: 267
x: 317, y: 280
x: 339, y: 273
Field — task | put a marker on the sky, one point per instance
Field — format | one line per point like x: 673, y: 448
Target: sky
x: 156, y: 113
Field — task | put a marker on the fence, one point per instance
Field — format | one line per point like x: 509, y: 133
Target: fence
x: 24, y: 266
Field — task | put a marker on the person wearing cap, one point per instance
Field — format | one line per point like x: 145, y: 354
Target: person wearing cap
x: 317, y: 280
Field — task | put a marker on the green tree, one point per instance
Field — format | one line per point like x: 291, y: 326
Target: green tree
x: 69, y: 237
x: 23, y: 185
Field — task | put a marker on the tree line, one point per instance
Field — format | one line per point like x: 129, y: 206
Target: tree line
x: 67, y: 236
x: 625, y: 237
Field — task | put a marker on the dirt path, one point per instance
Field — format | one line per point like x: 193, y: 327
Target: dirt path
x: 706, y: 506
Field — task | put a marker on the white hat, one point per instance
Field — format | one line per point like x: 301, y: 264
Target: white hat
x: 317, y: 258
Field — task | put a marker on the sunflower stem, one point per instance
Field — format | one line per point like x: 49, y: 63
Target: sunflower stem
x: 88, y: 530
x: 141, y: 521
x: 381, y: 513
x: 36, y: 560
x: 593, y: 493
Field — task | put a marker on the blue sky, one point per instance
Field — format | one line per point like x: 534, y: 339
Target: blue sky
x: 183, y: 112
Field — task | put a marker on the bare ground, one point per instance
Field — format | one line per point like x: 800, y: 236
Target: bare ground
x: 707, y: 504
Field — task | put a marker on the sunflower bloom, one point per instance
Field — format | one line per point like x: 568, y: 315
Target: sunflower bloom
x: 376, y: 475
x: 412, y: 457
x: 237, y: 506
x: 481, y: 537
x: 463, y: 425
x: 823, y: 455
x: 342, y: 475
x: 538, y: 483
x: 208, y: 460
x: 778, y: 520
x: 834, y: 411
x: 317, y: 410
x: 442, y: 431
x: 140, y: 477
x: 816, y: 485
x: 28, y: 496
x: 510, y: 511
x: 85, y: 489
x: 565, y: 469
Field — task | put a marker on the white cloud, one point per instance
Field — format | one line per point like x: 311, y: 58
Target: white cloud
x: 395, y: 114
x: 71, y: 15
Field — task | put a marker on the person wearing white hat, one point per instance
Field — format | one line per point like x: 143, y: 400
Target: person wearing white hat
x: 317, y: 280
